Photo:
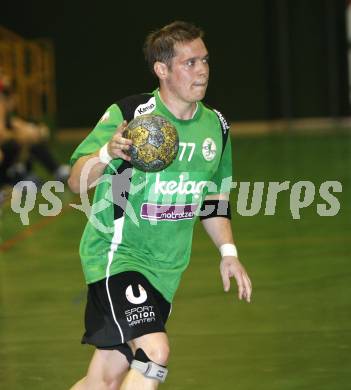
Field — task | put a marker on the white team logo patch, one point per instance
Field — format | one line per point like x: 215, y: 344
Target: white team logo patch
x: 209, y: 149
x: 132, y: 298
x: 105, y: 116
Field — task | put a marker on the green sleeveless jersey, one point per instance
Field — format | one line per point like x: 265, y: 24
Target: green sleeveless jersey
x: 144, y: 221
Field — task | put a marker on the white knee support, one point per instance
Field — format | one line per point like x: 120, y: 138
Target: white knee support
x: 147, y: 367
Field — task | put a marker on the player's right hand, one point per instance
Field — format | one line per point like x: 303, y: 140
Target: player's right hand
x: 118, y: 145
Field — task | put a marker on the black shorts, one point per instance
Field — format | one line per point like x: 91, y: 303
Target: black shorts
x: 122, y: 308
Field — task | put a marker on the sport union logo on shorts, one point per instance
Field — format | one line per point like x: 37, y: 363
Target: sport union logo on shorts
x: 209, y: 149
x: 132, y: 298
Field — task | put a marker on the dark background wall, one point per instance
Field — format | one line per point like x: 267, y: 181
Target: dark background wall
x: 269, y: 58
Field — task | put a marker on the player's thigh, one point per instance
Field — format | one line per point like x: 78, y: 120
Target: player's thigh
x: 108, y: 366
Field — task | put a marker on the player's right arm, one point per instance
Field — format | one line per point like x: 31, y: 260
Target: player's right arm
x: 89, y: 150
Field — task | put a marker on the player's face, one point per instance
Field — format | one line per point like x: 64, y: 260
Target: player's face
x: 188, y: 74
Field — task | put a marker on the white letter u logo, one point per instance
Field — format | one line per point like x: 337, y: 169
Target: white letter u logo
x: 132, y: 298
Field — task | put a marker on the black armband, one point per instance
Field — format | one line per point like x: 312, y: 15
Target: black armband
x: 215, y: 208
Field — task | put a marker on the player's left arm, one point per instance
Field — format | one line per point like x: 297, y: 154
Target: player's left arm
x: 220, y: 231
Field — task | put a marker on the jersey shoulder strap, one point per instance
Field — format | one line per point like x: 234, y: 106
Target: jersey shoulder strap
x: 135, y: 105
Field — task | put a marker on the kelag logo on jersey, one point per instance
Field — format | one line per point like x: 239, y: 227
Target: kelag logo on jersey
x: 172, y: 196
x: 179, y: 187
x: 174, y: 187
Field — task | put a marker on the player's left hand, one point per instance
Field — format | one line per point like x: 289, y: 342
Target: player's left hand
x: 231, y: 267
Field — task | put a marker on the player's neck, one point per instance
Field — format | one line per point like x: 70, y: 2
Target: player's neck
x: 179, y: 108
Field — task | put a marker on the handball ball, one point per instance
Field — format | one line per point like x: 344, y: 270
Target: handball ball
x: 155, y: 142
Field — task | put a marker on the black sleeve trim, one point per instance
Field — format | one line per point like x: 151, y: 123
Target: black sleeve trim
x: 129, y: 104
x: 225, y: 128
x: 215, y: 208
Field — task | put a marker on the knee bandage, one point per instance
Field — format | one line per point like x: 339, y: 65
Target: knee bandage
x: 147, y: 367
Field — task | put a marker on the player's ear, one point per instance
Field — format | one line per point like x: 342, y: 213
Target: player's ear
x: 161, y: 70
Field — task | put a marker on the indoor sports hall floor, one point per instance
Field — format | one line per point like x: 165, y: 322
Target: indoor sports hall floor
x: 296, y: 333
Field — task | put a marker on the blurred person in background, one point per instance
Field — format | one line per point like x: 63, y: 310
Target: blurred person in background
x: 23, y: 142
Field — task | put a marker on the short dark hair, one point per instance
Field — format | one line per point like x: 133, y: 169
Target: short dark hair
x: 159, y: 44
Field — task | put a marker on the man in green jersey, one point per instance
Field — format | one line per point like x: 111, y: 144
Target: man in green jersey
x: 138, y: 239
